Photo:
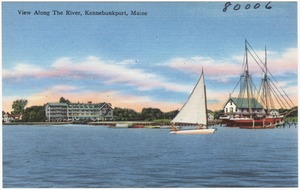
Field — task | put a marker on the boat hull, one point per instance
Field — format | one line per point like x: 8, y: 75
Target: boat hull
x: 194, y: 131
x: 136, y: 126
x: 266, y: 123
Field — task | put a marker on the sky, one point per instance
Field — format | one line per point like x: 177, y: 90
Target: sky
x: 139, y: 61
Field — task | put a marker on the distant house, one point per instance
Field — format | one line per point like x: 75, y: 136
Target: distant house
x: 79, y: 111
x: 7, y: 117
x: 240, y: 106
x: 210, y: 115
x: 274, y: 112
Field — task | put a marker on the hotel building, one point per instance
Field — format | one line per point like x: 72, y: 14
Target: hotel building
x: 79, y: 111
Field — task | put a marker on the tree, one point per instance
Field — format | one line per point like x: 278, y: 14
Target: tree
x: 34, y: 114
x: 63, y: 100
x: 19, y: 105
x: 218, y: 113
x: 171, y: 114
x: 121, y: 114
x: 150, y: 114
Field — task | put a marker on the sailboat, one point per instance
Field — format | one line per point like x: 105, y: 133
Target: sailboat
x: 255, y: 107
x: 193, y: 112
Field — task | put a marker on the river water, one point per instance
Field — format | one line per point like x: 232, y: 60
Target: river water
x: 97, y: 156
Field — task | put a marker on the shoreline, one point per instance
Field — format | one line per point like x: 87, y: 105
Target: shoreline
x: 106, y: 123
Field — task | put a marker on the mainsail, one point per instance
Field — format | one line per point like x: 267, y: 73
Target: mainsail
x: 194, y: 110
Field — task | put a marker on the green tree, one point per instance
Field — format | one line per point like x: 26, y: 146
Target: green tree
x: 218, y: 113
x: 63, y: 100
x: 150, y: 114
x: 124, y: 114
x: 171, y: 114
x: 18, y: 106
x: 294, y: 113
x: 34, y: 114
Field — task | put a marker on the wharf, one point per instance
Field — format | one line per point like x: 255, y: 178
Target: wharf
x: 105, y: 123
x: 114, y: 123
x: 145, y: 123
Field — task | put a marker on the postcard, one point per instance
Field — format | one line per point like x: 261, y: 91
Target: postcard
x: 149, y: 94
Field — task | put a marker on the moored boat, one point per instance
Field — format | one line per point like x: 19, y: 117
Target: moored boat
x: 123, y: 125
x: 254, y: 108
x: 136, y: 126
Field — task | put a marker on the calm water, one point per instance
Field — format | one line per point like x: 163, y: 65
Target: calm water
x: 90, y: 156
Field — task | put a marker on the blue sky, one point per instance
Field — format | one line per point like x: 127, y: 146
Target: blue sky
x: 141, y: 61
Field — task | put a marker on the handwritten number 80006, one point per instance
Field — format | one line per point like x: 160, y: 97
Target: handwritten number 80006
x: 247, y: 6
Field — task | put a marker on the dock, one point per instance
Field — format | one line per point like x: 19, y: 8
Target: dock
x: 145, y: 123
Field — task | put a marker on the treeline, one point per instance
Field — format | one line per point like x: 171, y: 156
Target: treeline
x: 38, y: 114
x: 291, y: 112
x: 147, y: 114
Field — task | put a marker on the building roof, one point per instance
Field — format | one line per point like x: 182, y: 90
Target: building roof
x: 243, y: 102
x: 100, y: 105
x: 57, y: 104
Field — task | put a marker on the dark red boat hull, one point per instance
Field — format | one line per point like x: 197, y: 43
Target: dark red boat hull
x: 265, y: 123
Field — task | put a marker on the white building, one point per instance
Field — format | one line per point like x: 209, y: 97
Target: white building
x: 89, y: 111
x: 274, y: 112
x: 240, y: 106
x: 56, y: 111
x: 7, y: 117
x: 79, y: 111
x: 210, y: 115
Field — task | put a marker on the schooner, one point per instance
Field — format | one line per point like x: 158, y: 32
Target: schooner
x: 254, y: 97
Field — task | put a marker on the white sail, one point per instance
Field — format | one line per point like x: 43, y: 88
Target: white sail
x: 194, y: 110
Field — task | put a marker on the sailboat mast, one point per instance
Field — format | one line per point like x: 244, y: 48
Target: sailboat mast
x: 205, y: 102
x: 266, y: 84
x: 247, y: 77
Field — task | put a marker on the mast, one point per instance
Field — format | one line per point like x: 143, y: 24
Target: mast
x: 205, y: 100
x: 266, y: 84
x: 247, y: 77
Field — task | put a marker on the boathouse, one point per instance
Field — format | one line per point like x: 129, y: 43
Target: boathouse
x: 241, y: 106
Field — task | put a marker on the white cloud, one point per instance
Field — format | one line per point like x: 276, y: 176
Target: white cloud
x: 63, y: 88
x: 110, y: 72
x: 22, y: 70
x: 279, y: 63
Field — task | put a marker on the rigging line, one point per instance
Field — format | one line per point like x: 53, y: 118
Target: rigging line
x: 269, y: 73
x: 242, y: 86
x: 257, y: 62
x: 253, y: 95
x: 255, y: 53
x: 271, y: 99
x: 280, y: 94
x: 268, y: 94
x: 277, y: 97
x: 236, y: 85
x: 260, y: 93
x: 242, y: 92
x: 279, y: 101
x: 281, y: 89
x: 244, y: 62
